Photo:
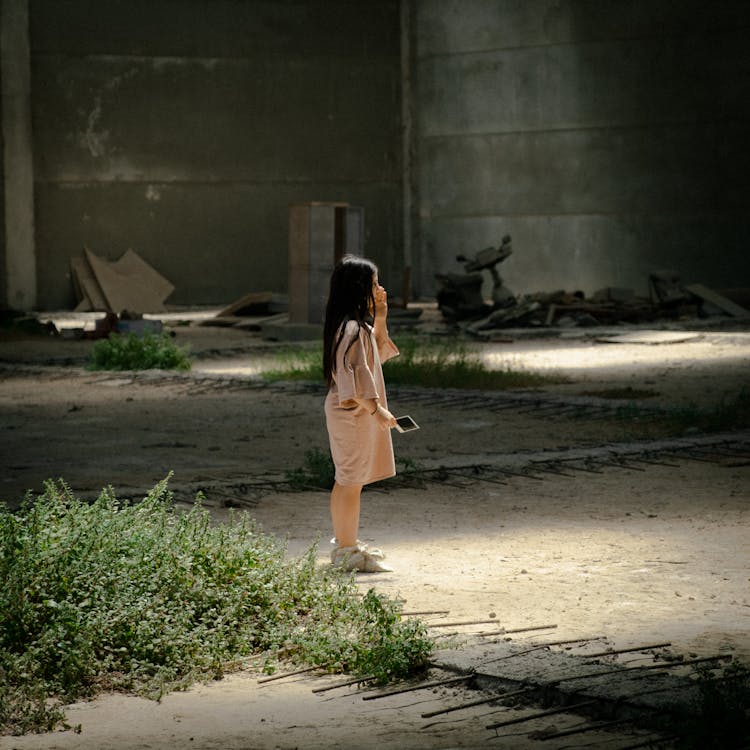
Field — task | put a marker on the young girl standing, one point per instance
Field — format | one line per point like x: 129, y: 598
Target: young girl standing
x: 357, y: 417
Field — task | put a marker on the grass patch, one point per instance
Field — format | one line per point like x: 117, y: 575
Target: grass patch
x: 433, y: 364
x: 454, y: 364
x: 318, y: 471
x: 143, y: 598
x: 296, y: 363
x: 132, y: 352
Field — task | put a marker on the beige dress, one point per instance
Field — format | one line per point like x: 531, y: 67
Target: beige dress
x: 362, y: 451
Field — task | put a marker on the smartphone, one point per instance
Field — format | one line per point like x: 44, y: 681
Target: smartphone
x: 406, y: 424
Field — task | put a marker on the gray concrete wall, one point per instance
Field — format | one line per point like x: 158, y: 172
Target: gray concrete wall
x: 185, y: 128
x: 608, y: 138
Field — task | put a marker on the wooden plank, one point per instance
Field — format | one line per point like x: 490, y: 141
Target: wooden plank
x: 90, y: 289
x: 223, y: 321
x: 719, y: 300
x: 76, y: 270
x: 256, y: 324
x: 84, y: 305
x: 123, y: 292
x: 251, y: 304
x: 131, y: 264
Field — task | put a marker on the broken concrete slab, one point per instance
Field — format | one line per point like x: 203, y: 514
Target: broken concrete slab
x: 87, y: 288
x: 650, y: 337
x: 123, y: 292
x: 717, y: 300
x: 562, y: 678
x: 666, y: 286
x: 256, y: 303
x: 258, y: 324
x: 129, y: 283
x: 131, y: 264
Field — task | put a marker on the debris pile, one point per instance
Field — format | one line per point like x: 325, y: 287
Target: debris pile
x: 461, y: 302
x: 252, y: 311
x: 567, y: 309
x: 128, y: 283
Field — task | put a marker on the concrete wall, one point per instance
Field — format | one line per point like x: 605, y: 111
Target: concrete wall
x: 608, y: 138
x: 185, y: 128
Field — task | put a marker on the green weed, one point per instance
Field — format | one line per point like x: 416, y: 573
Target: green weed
x: 132, y: 352
x: 296, y: 363
x: 318, y: 471
x: 143, y: 598
x: 433, y: 364
x: 453, y: 364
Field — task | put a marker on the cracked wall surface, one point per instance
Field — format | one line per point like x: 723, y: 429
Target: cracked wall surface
x: 184, y: 131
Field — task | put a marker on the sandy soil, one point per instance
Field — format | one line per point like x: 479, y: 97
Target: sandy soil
x: 645, y: 555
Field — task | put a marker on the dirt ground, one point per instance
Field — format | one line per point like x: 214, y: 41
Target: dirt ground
x: 648, y: 554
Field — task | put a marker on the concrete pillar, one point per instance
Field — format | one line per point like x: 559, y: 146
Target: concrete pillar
x: 20, y: 288
x: 317, y: 240
x: 407, y: 143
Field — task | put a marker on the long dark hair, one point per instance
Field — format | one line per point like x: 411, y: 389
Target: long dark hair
x: 350, y: 298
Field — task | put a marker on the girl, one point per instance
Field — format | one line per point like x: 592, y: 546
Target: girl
x: 356, y: 409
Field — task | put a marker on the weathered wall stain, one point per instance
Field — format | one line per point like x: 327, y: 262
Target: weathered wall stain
x: 185, y: 134
x: 607, y: 138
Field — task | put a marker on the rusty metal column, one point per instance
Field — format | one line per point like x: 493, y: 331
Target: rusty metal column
x: 20, y: 285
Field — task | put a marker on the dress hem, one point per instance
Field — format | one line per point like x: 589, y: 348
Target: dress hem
x: 369, y: 481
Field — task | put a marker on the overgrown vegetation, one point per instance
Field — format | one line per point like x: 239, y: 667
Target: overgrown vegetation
x: 446, y: 363
x: 132, y: 352
x: 144, y: 598
x: 296, y: 363
x: 318, y: 470
x: 454, y: 364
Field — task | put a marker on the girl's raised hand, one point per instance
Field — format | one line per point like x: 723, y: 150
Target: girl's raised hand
x: 381, y: 302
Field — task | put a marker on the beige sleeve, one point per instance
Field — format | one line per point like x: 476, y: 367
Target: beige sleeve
x: 353, y: 376
x: 387, y: 350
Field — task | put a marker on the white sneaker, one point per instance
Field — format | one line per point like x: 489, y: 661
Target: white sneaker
x: 377, y: 553
x: 358, y: 559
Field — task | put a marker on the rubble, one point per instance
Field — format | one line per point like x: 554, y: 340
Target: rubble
x: 669, y: 300
x: 724, y: 304
x: 252, y: 311
x: 25, y: 324
x: 460, y: 300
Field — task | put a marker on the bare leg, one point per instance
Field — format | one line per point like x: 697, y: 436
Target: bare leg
x: 345, y: 502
